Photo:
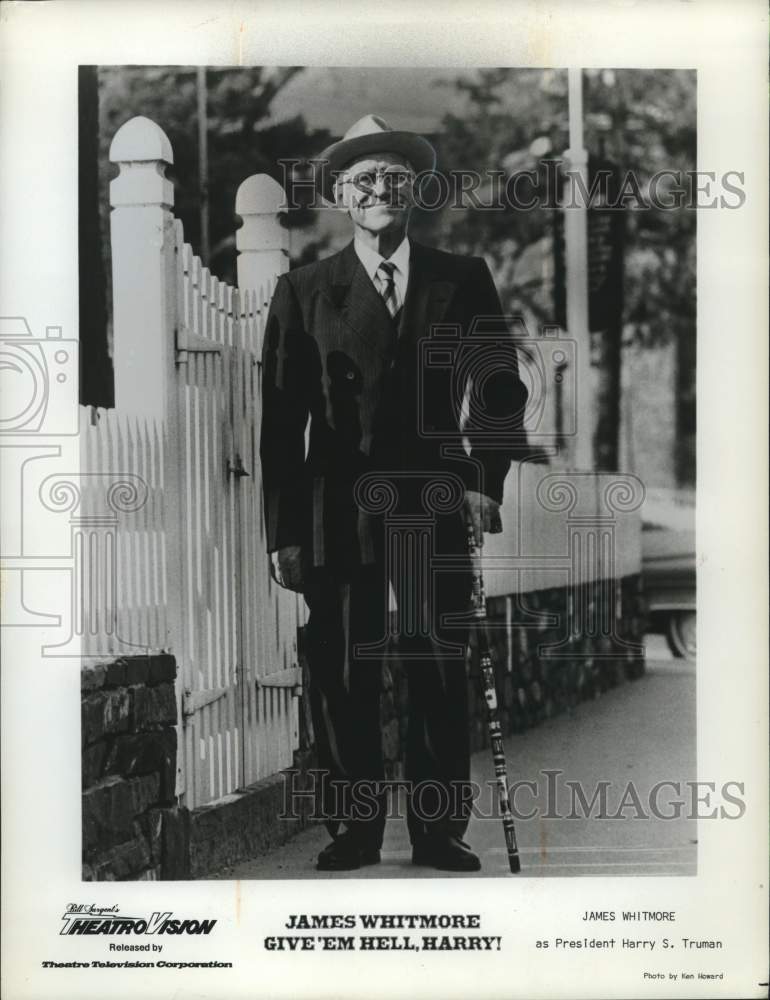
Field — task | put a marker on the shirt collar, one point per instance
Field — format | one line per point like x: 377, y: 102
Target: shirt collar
x: 372, y: 260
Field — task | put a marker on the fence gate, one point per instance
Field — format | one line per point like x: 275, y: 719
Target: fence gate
x: 187, y: 365
x: 240, y: 685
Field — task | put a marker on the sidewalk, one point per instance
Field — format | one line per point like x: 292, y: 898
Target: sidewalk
x: 642, y: 732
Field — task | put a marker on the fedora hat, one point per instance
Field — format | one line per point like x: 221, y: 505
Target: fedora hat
x: 372, y: 134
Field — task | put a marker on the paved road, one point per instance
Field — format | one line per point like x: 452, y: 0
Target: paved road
x: 642, y: 732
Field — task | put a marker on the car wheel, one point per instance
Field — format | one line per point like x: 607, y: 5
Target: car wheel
x: 681, y: 634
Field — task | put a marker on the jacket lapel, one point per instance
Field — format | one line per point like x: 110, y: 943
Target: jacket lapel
x: 352, y: 292
x: 358, y: 301
x: 428, y: 294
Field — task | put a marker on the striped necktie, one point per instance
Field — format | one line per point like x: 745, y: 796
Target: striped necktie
x: 388, y: 289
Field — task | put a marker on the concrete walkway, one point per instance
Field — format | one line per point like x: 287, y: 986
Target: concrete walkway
x: 642, y: 732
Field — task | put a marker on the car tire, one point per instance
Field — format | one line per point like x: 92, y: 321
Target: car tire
x: 680, y: 634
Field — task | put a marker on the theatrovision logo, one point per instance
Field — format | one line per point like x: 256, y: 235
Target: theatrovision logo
x: 86, y: 918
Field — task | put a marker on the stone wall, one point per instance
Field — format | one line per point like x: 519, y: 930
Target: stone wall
x: 531, y: 684
x: 250, y: 822
x: 131, y: 826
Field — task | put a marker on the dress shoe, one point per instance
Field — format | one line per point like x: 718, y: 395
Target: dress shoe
x: 446, y: 853
x: 345, y: 854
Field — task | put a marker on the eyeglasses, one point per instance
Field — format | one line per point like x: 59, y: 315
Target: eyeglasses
x: 393, y: 179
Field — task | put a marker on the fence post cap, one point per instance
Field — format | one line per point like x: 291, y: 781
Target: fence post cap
x: 140, y: 140
x: 259, y: 194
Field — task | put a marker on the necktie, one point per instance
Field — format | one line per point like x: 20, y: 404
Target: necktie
x: 388, y: 289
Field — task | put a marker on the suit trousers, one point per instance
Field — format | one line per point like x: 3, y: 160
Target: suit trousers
x: 351, y: 636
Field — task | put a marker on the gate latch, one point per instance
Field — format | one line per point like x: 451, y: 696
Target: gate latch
x: 235, y: 467
x: 291, y: 678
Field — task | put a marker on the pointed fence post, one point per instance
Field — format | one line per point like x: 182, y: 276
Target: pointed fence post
x: 263, y: 254
x: 262, y: 241
x: 145, y: 297
x: 143, y: 291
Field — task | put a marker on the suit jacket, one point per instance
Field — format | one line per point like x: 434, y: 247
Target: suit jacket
x: 380, y: 395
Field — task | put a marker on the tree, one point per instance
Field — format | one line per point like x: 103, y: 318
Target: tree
x: 643, y: 121
x: 243, y: 139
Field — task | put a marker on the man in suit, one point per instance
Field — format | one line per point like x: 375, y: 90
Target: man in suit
x: 361, y: 433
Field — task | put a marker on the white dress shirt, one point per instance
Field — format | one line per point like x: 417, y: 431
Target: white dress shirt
x: 372, y: 260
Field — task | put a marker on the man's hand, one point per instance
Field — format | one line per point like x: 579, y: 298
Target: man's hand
x: 287, y: 567
x: 484, y: 512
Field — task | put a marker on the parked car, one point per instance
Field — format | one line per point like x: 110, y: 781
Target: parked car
x: 668, y: 567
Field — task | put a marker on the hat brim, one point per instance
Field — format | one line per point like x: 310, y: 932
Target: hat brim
x: 417, y: 150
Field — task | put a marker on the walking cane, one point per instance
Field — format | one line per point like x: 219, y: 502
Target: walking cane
x: 487, y: 675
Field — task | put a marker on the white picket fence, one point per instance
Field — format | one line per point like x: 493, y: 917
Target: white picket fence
x: 169, y: 544
x: 181, y: 564
x: 120, y: 560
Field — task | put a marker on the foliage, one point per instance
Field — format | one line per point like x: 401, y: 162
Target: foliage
x: 506, y: 121
x: 243, y: 139
x: 642, y: 120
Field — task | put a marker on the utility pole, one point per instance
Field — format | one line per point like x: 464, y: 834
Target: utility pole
x: 576, y: 259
